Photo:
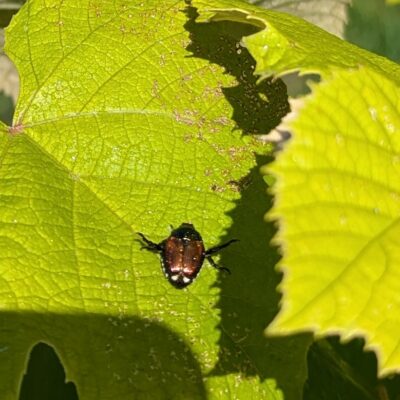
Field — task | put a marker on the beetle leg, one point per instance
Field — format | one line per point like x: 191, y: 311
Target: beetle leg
x: 214, y: 250
x: 150, y: 245
x: 216, y: 266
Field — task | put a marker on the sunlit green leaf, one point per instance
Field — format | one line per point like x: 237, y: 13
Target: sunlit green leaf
x: 339, y: 196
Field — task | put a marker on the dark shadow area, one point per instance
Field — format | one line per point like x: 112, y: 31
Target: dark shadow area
x: 45, y: 377
x: 8, y: 9
x: 343, y: 370
x: 6, y: 109
x: 105, y: 357
x: 390, y: 386
x: 258, y: 107
x: 249, y: 298
x: 346, y: 371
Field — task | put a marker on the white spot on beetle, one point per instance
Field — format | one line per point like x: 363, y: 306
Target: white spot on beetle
x: 175, y: 277
x: 186, y: 279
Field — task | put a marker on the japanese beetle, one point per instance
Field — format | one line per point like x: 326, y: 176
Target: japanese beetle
x: 183, y: 253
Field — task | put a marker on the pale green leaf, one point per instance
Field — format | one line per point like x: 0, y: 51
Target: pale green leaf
x: 339, y: 197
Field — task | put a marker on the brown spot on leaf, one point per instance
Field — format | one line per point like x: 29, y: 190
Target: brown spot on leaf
x: 16, y: 129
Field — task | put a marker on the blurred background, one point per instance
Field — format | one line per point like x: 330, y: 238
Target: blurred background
x: 8, y: 75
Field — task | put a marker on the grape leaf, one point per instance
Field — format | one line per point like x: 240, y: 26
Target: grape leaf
x: 343, y: 220
x: 337, y: 183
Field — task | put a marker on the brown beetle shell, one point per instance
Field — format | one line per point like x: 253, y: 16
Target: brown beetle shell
x: 183, y: 254
x: 182, y: 259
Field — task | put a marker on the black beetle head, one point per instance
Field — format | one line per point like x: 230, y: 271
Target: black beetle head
x: 186, y: 231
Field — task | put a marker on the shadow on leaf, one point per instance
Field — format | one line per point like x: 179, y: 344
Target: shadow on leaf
x: 249, y: 299
x: 105, y: 357
x: 258, y: 107
x: 45, y: 377
x: 347, y: 371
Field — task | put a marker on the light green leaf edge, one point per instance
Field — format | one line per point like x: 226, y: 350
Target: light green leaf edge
x: 340, y: 173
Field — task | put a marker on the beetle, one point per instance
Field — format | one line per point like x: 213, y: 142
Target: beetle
x: 183, y: 253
